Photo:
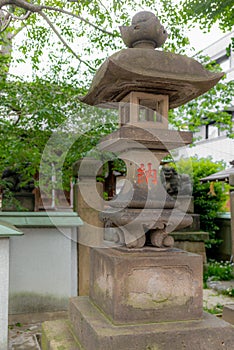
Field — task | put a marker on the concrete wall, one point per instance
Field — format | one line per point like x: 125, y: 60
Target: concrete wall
x: 43, y: 262
x: 43, y: 270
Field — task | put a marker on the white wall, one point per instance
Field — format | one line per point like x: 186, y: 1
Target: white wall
x: 218, y: 49
x: 4, y: 281
x: 43, y: 269
x: 220, y: 148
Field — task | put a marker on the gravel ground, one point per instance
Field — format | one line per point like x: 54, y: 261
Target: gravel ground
x: 212, y: 300
x: 24, y: 337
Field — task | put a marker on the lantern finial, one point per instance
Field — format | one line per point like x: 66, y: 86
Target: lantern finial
x: 145, y: 31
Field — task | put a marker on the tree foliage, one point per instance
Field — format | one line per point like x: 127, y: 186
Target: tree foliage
x: 66, y: 42
x: 79, y: 34
x: 32, y: 113
x: 208, y: 12
x: 208, y: 109
x: 212, y: 106
x: 73, y: 37
x: 208, y: 201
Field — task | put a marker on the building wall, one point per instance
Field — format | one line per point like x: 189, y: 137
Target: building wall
x: 218, y: 51
x: 43, y: 270
x: 221, y: 148
x: 213, y: 142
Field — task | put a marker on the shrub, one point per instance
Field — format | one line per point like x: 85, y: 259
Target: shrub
x: 218, y: 271
x: 207, y: 203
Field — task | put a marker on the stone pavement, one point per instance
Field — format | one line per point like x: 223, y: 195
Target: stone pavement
x: 24, y: 337
x: 27, y: 336
x: 212, y: 299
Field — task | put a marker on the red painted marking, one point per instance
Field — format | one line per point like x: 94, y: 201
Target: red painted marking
x: 144, y: 175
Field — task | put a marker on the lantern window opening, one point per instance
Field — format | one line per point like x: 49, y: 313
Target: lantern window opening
x: 142, y: 107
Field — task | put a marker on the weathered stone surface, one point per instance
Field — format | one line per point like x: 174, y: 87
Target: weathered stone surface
x: 87, y: 167
x: 186, y: 203
x: 129, y: 225
x: 146, y: 285
x: 193, y: 242
x: 36, y: 317
x: 91, y: 233
x: 192, y: 247
x: 228, y: 313
x: 133, y: 137
x: 145, y: 31
x: 158, y: 72
x: 191, y: 236
x: 97, y: 332
x: 24, y: 336
x: 57, y: 335
x: 195, y: 226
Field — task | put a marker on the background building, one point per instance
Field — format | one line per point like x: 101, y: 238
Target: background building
x: 212, y: 141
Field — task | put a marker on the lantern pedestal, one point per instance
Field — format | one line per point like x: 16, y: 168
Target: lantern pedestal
x: 138, y: 300
x: 149, y: 285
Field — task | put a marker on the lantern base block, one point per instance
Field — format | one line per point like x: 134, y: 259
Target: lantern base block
x: 89, y: 329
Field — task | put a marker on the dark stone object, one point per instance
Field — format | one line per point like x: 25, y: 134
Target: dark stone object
x: 228, y: 313
x: 175, y: 183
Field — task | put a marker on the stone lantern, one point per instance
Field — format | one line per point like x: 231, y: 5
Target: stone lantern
x: 142, y: 290
x: 145, y: 83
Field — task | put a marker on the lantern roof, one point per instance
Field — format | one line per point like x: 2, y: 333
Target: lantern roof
x: 142, y: 68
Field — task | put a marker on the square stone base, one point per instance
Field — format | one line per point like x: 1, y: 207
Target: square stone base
x: 146, y: 285
x: 89, y: 329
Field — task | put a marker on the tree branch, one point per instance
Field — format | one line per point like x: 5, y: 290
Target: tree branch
x: 18, y: 30
x: 63, y: 41
x: 18, y: 117
x: 6, y: 23
x: 76, y: 16
x: 101, y: 3
x: 38, y: 8
x: 22, y: 4
x: 28, y: 13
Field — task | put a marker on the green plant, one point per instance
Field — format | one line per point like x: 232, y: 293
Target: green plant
x: 218, y: 309
x: 18, y: 324
x: 10, y: 202
x: 105, y: 196
x: 229, y: 292
x: 218, y: 271
x: 207, y: 201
